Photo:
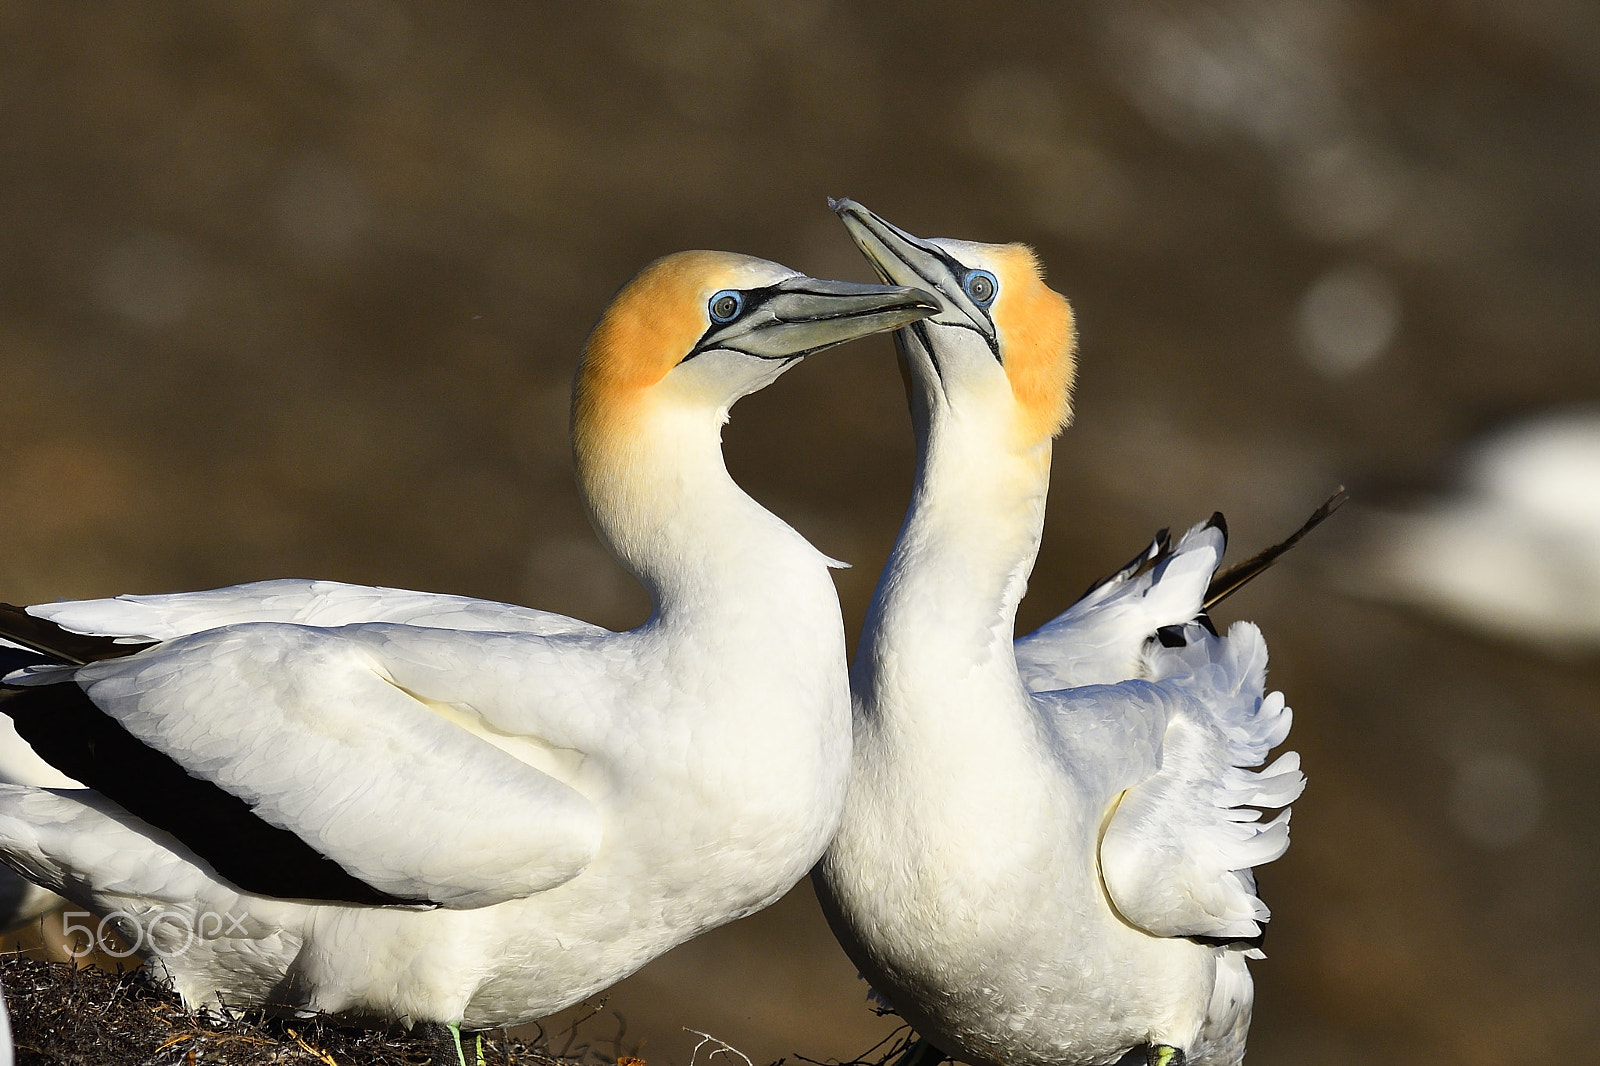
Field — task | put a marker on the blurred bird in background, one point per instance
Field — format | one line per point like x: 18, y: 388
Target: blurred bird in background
x: 1514, y: 550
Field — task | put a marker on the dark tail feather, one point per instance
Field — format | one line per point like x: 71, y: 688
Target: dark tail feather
x: 57, y: 644
x: 1237, y: 577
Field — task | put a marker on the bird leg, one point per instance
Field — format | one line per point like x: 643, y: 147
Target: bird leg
x: 446, y: 1040
x: 1165, y: 1055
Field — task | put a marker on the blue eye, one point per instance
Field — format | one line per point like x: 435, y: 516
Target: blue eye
x: 981, y: 286
x: 725, y: 305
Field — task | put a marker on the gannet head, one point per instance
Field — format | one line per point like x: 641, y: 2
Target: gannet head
x: 696, y: 331
x: 677, y: 347
x: 1002, y: 341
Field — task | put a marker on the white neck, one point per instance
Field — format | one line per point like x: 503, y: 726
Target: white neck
x: 661, y: 498
x: 945, y: 608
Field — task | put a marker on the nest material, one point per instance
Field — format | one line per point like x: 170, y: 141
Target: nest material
x: 62, y: 1015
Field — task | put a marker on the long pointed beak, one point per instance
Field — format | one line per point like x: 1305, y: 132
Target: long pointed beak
x: 899, y: 257
x: 904, y: 259
x: 801, y: 316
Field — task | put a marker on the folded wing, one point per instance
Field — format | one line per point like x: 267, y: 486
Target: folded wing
x: 312, y: 603
x: 1176, y: 855
x: 290, y: 759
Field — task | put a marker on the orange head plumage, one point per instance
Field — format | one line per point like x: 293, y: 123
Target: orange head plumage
x: 682, y: 341
x: 693, y: 332
x: 1038, y: 342
x: 649, y: 328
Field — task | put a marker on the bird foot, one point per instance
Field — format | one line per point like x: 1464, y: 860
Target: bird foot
x: 1165, y: 1055
x: 446, y: 1047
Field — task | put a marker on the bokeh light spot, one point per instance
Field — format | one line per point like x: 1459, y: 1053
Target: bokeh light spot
x: 1347, y: 319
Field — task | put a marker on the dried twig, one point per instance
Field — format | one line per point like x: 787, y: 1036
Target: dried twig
x: 62, y: 1015
x: 722, y: 1048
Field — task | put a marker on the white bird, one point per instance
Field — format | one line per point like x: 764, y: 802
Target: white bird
x: 1045, y: 853
x: 370, y: 802
x: 1515, y: 552
x: 8, y: 1051
x: 22, y: 901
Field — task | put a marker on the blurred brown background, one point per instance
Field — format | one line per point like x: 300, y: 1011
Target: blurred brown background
x: 295, y: 289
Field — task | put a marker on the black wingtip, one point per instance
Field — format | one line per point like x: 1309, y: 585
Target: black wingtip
x: 1160, y: 547
x: 34, y: 634
x: 1235, y: 578
x: 66, y: 729
x: 58, y: 644
x: 1238, y: 942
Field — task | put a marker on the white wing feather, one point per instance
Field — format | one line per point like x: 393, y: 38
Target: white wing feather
x: 1108, y: 736
x: 311, y: 603
x: 51, y: 836
x: 1100, y: 638
x: 311, y: 728
x: 1176, y: 855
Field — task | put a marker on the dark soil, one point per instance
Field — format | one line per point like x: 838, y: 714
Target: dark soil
x: 62, y: 1015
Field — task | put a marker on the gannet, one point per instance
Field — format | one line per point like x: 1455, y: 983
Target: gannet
x: 1046, y: 848
x: 365, y: 801
x: 1515, y: 550
x: 22, y: 901
x: 8, y: 1051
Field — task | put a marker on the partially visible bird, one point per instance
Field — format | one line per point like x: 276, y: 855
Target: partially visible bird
x: 1515, y: 550
x: 8, y: 1051
x: 1045, y: 854
x: 363, y: 801
x: 22, y: 901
